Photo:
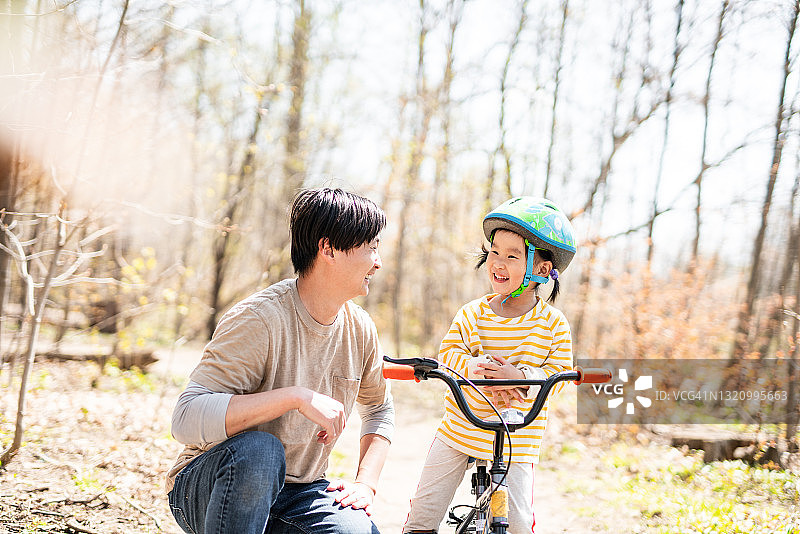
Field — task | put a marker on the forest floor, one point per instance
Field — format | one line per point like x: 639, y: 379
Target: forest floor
x: 97, y: 447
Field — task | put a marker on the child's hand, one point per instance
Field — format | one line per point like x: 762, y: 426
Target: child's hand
x: 474, y: 369
x: 499, y: 368
x: 502, y: 398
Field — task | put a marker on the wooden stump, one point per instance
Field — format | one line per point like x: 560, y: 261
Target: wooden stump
x: 719, y: 445
x: 125, y: 360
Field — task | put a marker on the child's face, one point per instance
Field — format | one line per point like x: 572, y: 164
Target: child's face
x: 506, y: 262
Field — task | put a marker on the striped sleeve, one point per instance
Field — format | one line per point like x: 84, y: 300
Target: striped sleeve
x: 455, y: 349
x: 560, y: 355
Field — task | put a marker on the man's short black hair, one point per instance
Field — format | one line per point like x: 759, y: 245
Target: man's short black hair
x: 345, y: 219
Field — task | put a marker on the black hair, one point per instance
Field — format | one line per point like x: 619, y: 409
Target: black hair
x: 544, y: 254
x: 345, y: 219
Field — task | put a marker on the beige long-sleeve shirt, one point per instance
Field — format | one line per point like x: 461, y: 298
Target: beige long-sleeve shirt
x: 270, y: 341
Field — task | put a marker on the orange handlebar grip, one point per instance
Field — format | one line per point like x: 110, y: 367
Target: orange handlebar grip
x: 399, y: 372
x: 593, y: 376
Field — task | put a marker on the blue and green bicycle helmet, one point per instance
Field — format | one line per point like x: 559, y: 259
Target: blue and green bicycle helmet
x: 542, y: 224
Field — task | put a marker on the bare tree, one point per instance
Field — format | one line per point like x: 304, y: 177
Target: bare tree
x: 437, y: 218
x: 235, y: 196
x: 502, y: 148
x: 793, y: 363
x: 704, y: 165
x: 7, y: 208
x: 556, y: 88
x: 622, y: 128
x: 249, y: 173
x: 10, y: 59
x: 676, y: 54
x: 745, y: 318
x: 421, y: 128
x: 294, y: 163
x: 771, y: 333
x: 188, y: 230
x: 36, y: 301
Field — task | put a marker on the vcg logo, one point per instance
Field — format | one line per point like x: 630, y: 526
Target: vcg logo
x: 618, y: 391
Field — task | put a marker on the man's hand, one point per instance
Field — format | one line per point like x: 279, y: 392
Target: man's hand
x: 326, y: 412
x: 353, y: 494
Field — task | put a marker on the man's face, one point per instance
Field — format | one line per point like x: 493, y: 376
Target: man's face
x: 357, y: 267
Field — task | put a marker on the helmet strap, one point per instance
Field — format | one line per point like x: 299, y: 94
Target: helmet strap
x: 528, y: 274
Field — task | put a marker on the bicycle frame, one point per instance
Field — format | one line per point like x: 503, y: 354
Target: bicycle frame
x: 491, y: 495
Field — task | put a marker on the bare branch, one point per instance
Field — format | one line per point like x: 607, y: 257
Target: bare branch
x: 172, y: 218
x: 94, y: 235
x: 632, y: 230
x: 91, y: 280
x: 188, y: 31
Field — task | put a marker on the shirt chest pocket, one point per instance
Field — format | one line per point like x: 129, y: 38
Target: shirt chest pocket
x: 345, y: 390
x: 293, y: 428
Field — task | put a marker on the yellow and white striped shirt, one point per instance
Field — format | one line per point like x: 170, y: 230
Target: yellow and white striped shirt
x: 540, y: 338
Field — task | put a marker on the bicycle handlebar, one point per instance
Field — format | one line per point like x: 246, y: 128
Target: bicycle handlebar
x: 593, y: 375
x: 399, y: 372
x: 424, y: 368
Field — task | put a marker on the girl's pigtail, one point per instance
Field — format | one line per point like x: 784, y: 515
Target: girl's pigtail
x: 554, y: 293
x: 482, y: 257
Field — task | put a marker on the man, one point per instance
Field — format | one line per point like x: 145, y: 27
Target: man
x: 281, y: 373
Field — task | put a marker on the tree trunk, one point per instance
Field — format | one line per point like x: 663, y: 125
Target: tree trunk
x: 84, y: 141
x: 793, y: 374
x: 502, y: 150
x: 188, y: 230
x: 676, y: 54
x: 585, y: 290
x: 772, y: 331
x: 556, y: 87
x: 703, y: 163
x: 432, y: 285
x: 294, y: 162
x: 616, y: 140
x: 418, y: 146
x: 11, y: 32
x: 235, y: 198
x: 7, y: 204
x: 740, y: 343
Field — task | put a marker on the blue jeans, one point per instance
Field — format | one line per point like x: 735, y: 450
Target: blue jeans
x: 238, y: 488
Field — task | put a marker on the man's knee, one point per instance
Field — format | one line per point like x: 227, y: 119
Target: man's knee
x: 342, y: 521
x: 256, y: 442
x: 260, y: 455
x: 351, y: 521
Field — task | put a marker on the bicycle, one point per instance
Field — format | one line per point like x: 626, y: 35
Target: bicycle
x: 490, y: 513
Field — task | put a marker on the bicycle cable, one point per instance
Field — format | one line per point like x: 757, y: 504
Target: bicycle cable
x: 494, y: 409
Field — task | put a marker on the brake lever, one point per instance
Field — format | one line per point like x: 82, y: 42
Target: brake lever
x: 419, y: 364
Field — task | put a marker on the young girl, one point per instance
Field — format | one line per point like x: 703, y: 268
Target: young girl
x: 524, y: 337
